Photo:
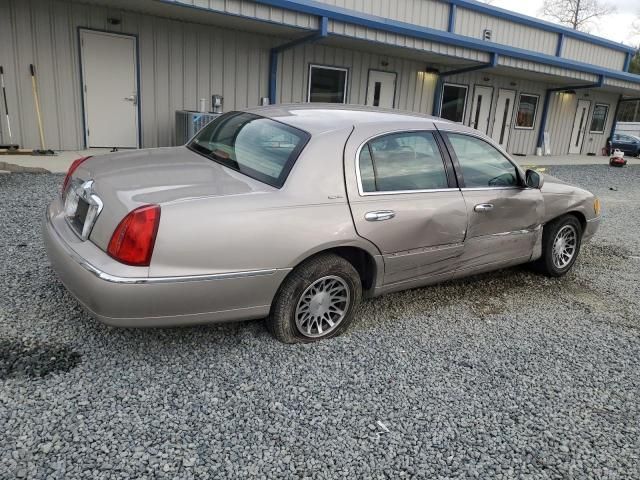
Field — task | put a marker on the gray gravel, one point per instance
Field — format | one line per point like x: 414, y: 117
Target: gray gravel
x: 500, y: 376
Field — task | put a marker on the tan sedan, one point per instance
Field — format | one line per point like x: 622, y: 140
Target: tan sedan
x: 295, y: 212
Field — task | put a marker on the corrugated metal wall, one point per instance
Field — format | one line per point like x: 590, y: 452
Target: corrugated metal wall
x: 562, y: 110
x: 426, y: 13
x: 520, y: 140
x: 594, y: 54
x: 354, y: 31
x: 414, y: 89
x: 179, y: 63
x: 547, y: 69
x: 256, y: 10
x: 473, y: 24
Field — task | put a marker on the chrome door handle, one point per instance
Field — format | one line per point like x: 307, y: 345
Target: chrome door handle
x: 483, y: 207
x: 379, y: 216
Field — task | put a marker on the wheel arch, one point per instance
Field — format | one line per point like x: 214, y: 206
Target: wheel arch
x: 365, y: 259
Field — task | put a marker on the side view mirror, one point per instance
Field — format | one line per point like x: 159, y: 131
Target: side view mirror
x: 534, y: 179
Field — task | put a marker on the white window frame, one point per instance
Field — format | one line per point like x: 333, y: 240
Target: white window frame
x: 606, y: 117
x: 466, y: 99
x: 535, y: 112
x: 328, y: 67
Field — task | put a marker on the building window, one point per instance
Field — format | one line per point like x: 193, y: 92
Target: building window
x: 527, y: 108
x: 599, y: 118
x: 454, y: 101
x: 327, y: 84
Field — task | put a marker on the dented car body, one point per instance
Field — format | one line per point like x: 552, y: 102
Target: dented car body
x: 223, y: 222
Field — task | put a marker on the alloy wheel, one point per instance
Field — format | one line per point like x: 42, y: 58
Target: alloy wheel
x: 322, y: 306
x: 564, y: 246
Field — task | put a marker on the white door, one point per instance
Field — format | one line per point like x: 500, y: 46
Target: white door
x: 481, y: 108
x: 110, y: 87
x: 503, y: 116
x: 579, y: 126
x: 381, y: 90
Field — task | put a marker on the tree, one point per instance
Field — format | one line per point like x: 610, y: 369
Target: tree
x: 577, y: 14
x: 634, y: 66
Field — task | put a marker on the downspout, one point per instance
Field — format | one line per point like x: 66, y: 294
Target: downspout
x: 322, y: 32
x: 547, y: 102
x: 627, y: 62
x: 437, y: 98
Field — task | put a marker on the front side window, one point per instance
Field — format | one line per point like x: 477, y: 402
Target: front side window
x: 482, y: 164
x: 599, y: 118
x: 401, y: 162
x: 454, y: 99
x: 256, y: 146
x: 327, y: 84
x: 527, y: 108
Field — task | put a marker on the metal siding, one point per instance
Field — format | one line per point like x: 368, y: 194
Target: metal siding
x: 548, y: 69
x: 414, y: 89
x: 254, y: 10
x: 426, y: 13
x: 179, y: 63
x: 586, y: 52
x: 473, y: 24
x: 520, y: 141
x: 562, y: 114
x: 346, y: 30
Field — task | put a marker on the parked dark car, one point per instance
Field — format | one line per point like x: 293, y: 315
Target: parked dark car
x: 629, y: 144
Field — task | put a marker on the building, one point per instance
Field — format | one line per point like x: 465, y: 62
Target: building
x: 113, y: 73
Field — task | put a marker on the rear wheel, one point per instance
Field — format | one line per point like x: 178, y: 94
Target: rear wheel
x: 561, y: 241
x: 316, y: 301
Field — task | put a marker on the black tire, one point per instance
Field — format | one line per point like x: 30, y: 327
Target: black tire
x: 545, y: 264
x: 282, y: 319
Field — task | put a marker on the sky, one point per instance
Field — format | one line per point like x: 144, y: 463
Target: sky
x: 617, y: 26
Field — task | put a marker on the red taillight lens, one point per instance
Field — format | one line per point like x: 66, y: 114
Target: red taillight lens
x: 72, y: 168
x: 133, y: 240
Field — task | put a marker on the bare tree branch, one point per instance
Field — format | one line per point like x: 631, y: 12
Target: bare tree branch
x: 577, y: 14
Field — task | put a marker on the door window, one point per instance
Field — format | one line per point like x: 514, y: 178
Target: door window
x: 454, y: 99
x: 599, y: 118
x: 327, y: 84
x: 402, y: 162
x: 482, y: 164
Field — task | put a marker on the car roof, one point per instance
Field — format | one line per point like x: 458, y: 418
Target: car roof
x: 317, y: 118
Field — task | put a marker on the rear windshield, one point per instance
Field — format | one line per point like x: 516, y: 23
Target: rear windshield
x: 256, y: 146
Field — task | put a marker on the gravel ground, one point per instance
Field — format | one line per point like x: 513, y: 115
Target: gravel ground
x: 506, y: 375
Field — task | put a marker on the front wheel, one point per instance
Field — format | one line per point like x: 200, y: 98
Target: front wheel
x: 316, y: 301
x: 561, y: 241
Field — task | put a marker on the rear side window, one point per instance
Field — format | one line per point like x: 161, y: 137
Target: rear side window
x: 256, y: 146
x: 482, y: 164
x: 402, y: 162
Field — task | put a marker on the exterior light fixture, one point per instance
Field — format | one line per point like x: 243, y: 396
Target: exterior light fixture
x: 431, y: 71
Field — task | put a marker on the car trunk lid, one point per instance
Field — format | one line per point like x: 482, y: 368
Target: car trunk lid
x: 124, y: 181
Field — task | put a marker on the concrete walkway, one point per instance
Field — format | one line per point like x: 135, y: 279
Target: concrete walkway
x: 60, y: 162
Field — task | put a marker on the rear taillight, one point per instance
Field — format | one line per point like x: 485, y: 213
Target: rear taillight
x: 74, y: 166
x: 133, y: 240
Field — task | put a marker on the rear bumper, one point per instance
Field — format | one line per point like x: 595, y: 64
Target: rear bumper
x: 591, y: 229
x: 126, y: 297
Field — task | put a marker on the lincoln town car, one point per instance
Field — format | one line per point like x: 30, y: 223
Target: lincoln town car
x: 295, y: 213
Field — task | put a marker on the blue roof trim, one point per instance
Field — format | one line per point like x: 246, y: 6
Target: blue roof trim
x: 401, y: 28
x: 537, y: 23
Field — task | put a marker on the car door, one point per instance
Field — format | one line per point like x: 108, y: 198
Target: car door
x: 404, y: 199
x: 504, y: 216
